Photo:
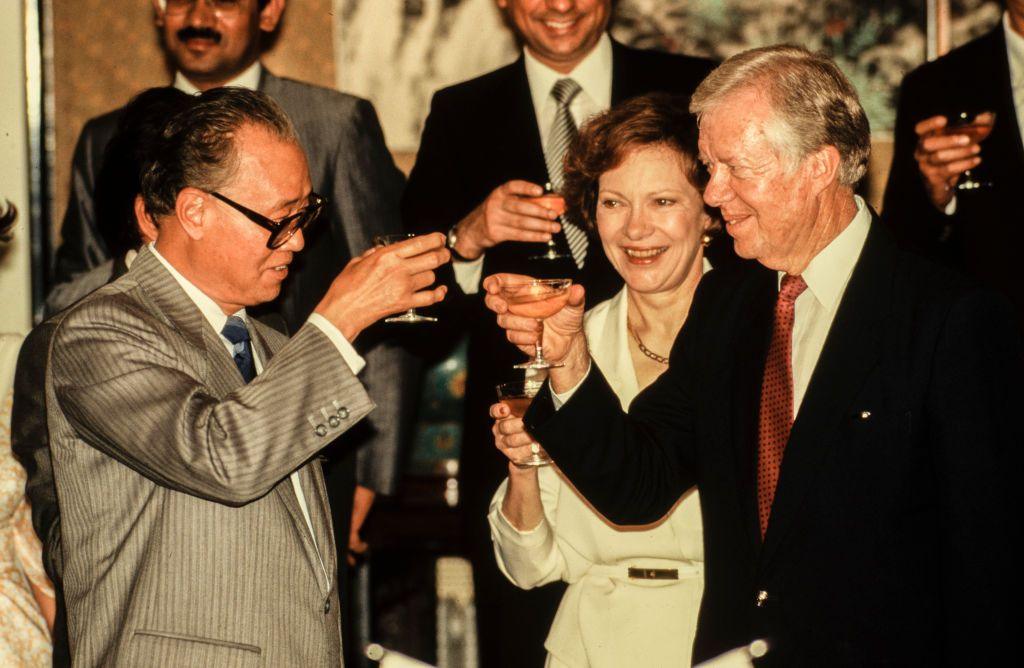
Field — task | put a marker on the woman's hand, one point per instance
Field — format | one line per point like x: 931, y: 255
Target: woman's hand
x: 522, y: 506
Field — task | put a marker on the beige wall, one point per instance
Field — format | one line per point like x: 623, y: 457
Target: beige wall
x: 15, y: 282
x: 105, y: 51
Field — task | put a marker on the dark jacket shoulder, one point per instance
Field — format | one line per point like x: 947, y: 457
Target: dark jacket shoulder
x: 968, y: 62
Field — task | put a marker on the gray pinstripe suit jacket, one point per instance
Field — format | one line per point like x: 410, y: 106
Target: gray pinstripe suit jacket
x: 184, y: 544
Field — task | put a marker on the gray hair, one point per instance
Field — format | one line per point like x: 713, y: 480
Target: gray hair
x: 814, y: 104
x: 197, y: 146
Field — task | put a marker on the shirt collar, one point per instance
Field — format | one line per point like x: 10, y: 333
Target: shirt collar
x: 829, y: 271
x: 593, y: 74
x: 1015, y: 51
x: 249, y: 78
x: 213, y: 313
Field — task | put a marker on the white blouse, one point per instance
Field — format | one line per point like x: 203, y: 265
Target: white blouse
x: 607, y: 618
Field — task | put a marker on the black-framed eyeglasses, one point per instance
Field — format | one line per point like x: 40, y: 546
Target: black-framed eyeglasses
x: 280, y: 230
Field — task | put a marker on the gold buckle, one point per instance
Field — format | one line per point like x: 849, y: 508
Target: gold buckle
x: 653, y: 573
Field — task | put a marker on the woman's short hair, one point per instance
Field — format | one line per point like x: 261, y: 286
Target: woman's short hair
x: 655, y: 119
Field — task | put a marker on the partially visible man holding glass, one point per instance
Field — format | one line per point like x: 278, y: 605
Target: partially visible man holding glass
x: 194, y: 517
x: 846, y: 410
x: 634, y: 175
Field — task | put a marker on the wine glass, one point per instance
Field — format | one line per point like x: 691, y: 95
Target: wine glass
x: 537, y: 298
x: 518, y: 396
x: 411, y: 315
x: 977, y: 126
x: 554, y: 201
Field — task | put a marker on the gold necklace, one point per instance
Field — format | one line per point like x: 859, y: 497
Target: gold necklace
x: 660, y: 359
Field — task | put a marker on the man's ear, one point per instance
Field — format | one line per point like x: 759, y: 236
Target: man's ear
x: 158, y: 12
x: 823, y: 165
x: 192, y: 213
x: 146, y: 226
x: 270, y: 15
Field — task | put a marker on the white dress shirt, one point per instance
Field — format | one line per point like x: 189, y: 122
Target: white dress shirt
x: 594, y: 75
x: 249, y: 78
x: 826, y: 276
x: 217, y: 319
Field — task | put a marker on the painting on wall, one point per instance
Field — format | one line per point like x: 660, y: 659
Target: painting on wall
x: 398, y: 52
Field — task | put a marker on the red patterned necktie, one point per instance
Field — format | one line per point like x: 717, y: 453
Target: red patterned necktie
x: 776, y: 416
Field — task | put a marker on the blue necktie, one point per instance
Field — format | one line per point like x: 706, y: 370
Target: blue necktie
x: 237, y: 333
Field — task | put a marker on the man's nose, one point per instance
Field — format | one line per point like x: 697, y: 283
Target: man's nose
x: 201, y: 13
x: 296, y: 242
x: 716, y: 192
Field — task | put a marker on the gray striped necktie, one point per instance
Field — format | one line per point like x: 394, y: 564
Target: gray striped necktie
x: 562, y: 132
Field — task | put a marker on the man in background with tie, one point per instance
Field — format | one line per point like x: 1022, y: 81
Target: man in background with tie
x: 488, y: 146
x: 194, y: 517
x: 849, y: 412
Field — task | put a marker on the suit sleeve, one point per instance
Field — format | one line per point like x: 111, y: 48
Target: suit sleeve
x: 367, y: 193
x: 124, y: 394
x: 632, y: 467
x: 974, y: 426
x: 30, y: 441
x: 81, y: 247
x: 906, y: 207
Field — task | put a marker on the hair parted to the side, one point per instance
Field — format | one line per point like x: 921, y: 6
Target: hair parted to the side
x: 197, y: 147
x: 606, y: 139
x: 815, y: 104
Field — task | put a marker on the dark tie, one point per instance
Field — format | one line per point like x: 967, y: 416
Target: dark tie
x: 562, y: 132
x: 237, y: 333
x: 776, y: 416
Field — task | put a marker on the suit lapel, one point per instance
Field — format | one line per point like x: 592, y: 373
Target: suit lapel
x: 1004, y: 147
x: 316, y: 503
x: 752, y: 348
x: 850, y: 353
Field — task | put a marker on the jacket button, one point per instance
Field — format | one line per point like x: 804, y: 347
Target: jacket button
x: 321, y: 430
x: 343, y: 413
x: 333, y: 421
x: 327, y: 606
x: 761, y: 599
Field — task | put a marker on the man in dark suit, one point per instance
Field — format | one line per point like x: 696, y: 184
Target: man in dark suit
x: 216, y: 44
x: 976, y: 231
x: 487, y: 145
x: 846, y: 410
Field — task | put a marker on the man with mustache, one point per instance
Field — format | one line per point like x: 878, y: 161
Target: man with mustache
x: 489, y: 145
x: 211, y: 43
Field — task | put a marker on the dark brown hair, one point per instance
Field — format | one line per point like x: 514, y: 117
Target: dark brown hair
x: 606, y: 139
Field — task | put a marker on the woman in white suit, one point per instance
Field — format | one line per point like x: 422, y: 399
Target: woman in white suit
x: 633, y: 592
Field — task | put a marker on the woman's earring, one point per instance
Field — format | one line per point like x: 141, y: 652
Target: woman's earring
x: 705, y: 240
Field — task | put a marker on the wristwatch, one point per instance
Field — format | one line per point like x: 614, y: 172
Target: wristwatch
x: 453, y: 238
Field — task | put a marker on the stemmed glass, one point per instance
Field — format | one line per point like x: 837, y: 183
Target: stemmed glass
x: 411, y: 315
x: 554, y: 201
x: 518, y: 396
x: 977, y: 126
x: 537, y: 298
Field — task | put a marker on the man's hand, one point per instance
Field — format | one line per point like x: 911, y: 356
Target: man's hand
x: 506, y: 215
x: 362, y: 501
x: 385, y: 281
x: 941, y: 159
x: 563, y: 338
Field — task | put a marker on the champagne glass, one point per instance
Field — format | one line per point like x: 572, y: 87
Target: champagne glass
x: 518, y: 396
x: 551, y: 200
x: 411, y: 315
x: 537, y: 298
x: 977, y: 126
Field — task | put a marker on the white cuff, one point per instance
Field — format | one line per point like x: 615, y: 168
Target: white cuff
x: 351, y: 357
x: 559, y: 399
x: 468, y: 274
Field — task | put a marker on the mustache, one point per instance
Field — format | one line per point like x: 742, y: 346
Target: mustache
x: 192, y: 32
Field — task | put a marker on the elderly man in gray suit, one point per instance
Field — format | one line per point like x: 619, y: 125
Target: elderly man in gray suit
x: 183, y: 433
x: 211, y: 44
